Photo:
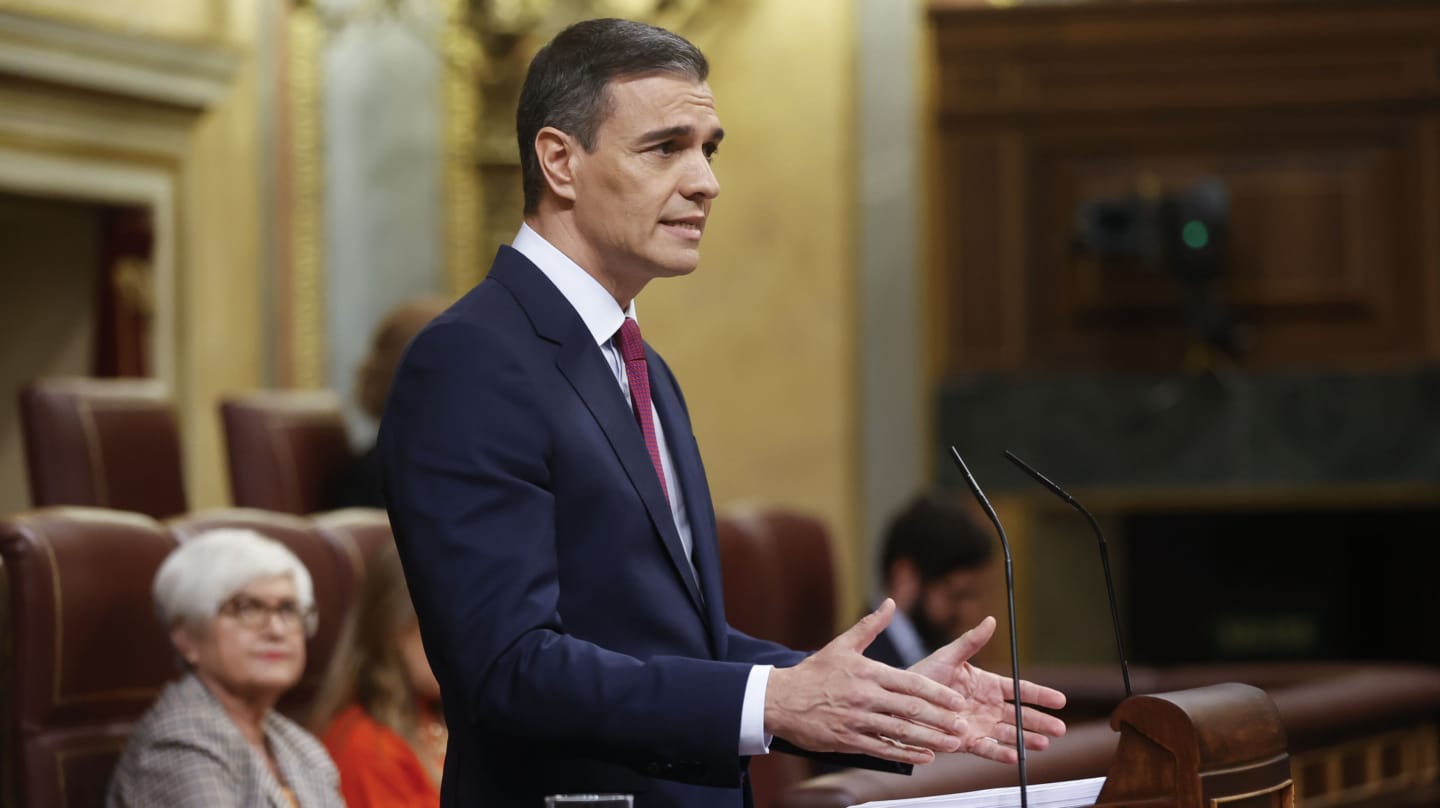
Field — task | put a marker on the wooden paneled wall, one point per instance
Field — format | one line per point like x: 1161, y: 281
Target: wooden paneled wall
x: 1321, y: 116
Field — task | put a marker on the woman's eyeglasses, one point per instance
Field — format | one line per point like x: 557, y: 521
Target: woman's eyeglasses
x: 255, y: 614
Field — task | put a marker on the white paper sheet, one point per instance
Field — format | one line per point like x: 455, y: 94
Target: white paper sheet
x: 1063, y: 794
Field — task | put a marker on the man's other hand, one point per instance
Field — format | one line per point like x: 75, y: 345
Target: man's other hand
x: 988, y: 719
x: 837, y: 700
x: 840, y: 701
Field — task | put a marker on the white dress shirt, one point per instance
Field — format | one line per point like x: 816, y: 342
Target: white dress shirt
x: 603, y: 318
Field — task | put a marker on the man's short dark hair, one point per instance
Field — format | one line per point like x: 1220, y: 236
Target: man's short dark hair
x: 938, y: 535
x: 567, y: 86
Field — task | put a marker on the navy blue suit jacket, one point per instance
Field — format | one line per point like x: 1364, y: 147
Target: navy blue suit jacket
x: 574, y: 647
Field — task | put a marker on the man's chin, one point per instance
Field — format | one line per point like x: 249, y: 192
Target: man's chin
x: 675, y: 266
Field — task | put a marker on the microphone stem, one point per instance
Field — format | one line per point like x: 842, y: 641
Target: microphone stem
x: 1014, y: 643
x: 1110, y: 593
x: 1015, y: 676
x: 1054, y: 488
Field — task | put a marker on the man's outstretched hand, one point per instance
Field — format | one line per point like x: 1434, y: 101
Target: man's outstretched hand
x: 989, y: 717
x: 837, y: 700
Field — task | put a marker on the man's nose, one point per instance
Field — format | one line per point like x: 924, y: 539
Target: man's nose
x: 700, y: 179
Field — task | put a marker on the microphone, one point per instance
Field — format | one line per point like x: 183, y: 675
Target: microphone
x: 1010, y: 597
x: 1104, y: 558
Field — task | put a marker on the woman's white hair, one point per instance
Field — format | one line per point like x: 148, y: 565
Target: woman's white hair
x: 200, y: 575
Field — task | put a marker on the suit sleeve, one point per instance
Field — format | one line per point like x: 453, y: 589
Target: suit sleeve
x: 744, y: 648
x: 464, y: 446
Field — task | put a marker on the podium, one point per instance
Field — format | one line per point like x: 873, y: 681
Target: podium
x: 1221, y: 745
x: 1214, y: 746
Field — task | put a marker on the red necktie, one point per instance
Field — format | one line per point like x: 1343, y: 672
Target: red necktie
x: 632, y: 349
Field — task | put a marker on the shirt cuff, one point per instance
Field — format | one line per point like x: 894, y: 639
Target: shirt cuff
x: 753, y: 738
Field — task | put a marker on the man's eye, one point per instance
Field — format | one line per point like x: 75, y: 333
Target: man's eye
x: 668, y: 147
x: 711, y: 149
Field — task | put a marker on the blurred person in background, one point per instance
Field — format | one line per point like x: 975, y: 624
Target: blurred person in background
x: 238, y: 607
x: 935, y: 564
x: 378, y: 710
x: 358, y: 486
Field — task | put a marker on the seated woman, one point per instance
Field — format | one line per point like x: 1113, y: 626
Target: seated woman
x: 238, y: 607
x: 378, y: 708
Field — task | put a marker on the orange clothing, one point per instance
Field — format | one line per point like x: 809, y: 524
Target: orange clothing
x: 378, y: 769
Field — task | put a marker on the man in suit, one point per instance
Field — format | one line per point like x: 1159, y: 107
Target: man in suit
x: 935, y: 565
x: 552, y: 512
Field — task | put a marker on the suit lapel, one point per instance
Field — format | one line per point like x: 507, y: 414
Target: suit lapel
x: 696, y: 491
x: 581, y: 363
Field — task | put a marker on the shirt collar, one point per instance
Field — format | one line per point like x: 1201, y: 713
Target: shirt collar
x: 601, y: 314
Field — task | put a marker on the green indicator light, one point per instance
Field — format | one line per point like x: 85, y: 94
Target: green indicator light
x: 1195, y: 235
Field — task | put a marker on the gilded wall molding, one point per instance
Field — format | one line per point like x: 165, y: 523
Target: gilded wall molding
x: 193, y: 75
x: 304, y: 294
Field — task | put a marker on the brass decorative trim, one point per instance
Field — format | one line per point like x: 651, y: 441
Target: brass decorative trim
x: 1288, y: 787
x: 460, y: 126
x: 307, y: 220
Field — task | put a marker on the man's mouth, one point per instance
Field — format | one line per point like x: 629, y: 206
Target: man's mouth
x: 689, y: 228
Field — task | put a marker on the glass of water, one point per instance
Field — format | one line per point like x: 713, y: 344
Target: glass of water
x: 589, y: 801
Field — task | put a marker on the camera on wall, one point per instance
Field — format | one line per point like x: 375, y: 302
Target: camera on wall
x: 1183, y: 235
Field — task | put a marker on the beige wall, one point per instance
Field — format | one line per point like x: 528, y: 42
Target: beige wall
x: 762, y: 335
x: 221, y: 343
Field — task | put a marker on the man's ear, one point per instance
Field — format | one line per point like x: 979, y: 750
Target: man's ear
x: 556, y: 153
x: 903, y: 580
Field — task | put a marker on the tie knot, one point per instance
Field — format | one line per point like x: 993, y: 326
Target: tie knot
x: 632, y: 347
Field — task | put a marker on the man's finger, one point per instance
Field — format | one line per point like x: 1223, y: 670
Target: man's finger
x: 1031, y: 693
x: 909, y: 733
x: 1035, y: 721
x: 960, y: 649
x: 1041, y: 696
x: 859, y: 636
x: 916, y: 711
x: 887, y: 749
x: 1034, y: 741
x: 908, y: 683
x: 967, y: 644
x: 991, y: 749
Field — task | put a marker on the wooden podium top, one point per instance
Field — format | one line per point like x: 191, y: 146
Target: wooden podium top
x: 1201, y: 748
